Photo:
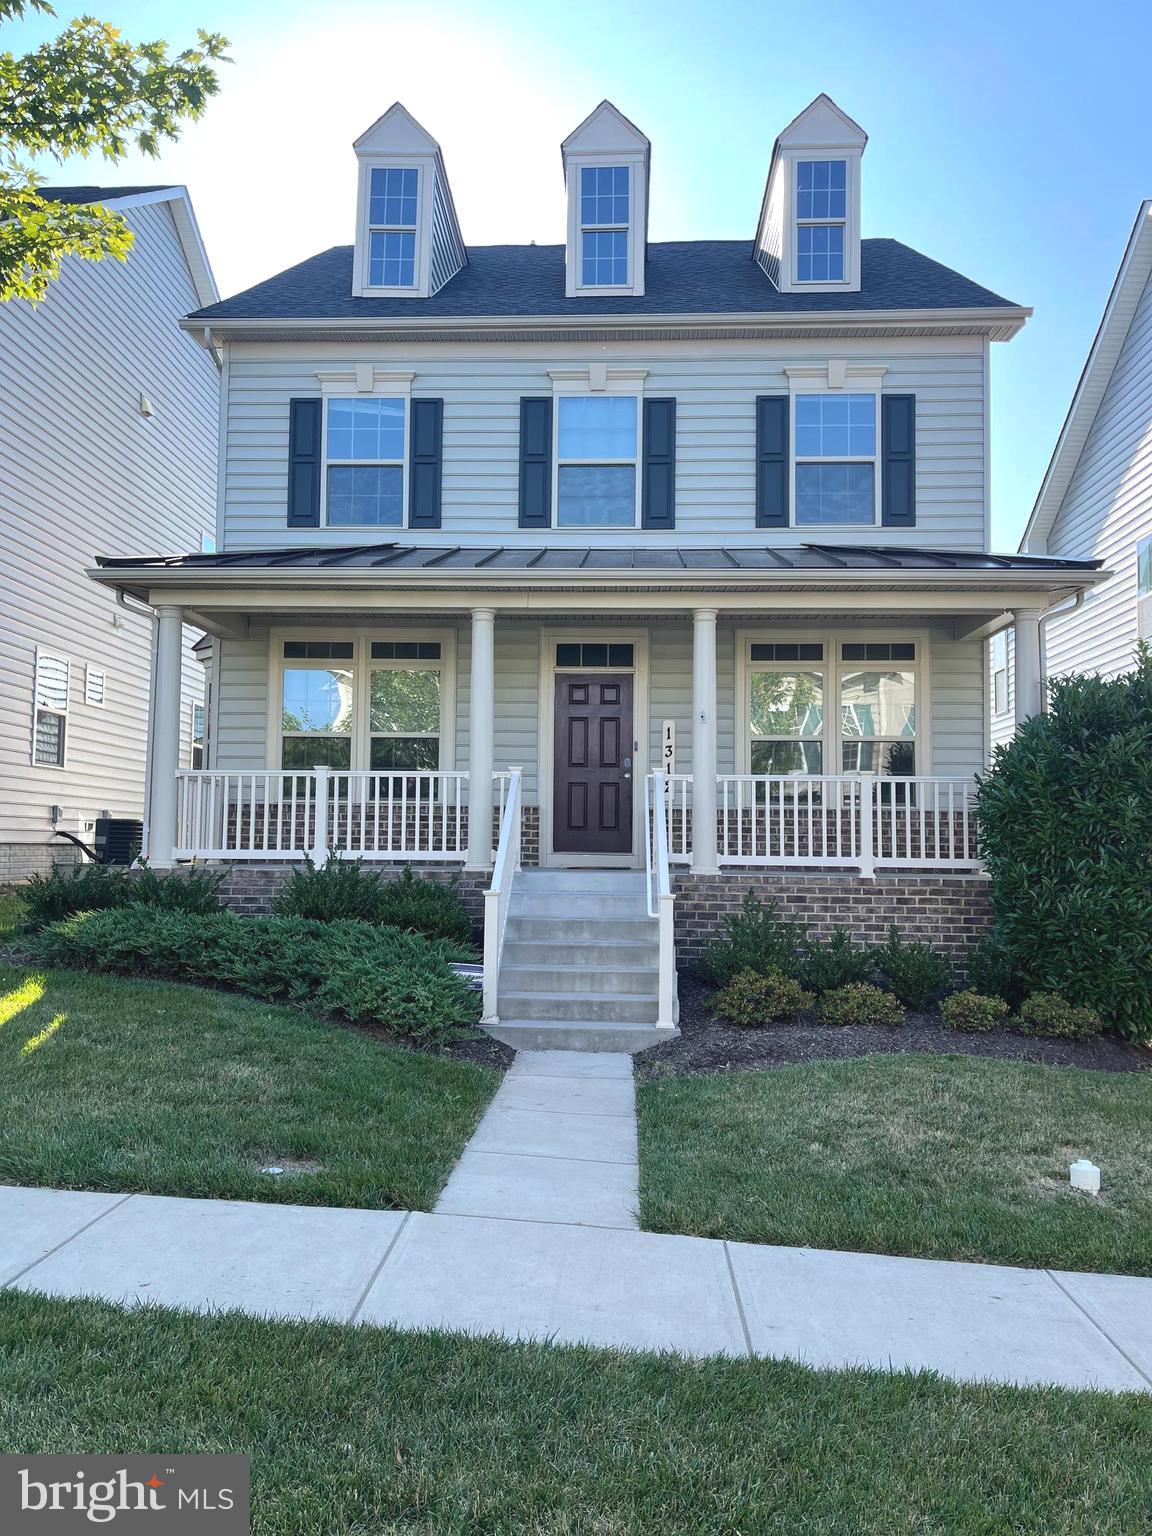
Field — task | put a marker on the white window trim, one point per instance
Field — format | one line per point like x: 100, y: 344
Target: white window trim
x: 583, y: 229
x: 575, y: 162
x: 832, y: 667
x: 38, y: 708
x: 405, y: 664
x: 203, y: 708
x: 361, y: 666
x: 836, y: 377
x: 365, y: 383
x: 91, y: 672
x: 1141, y: 546
x: 424, y: 166
x: 850, y: 154
x: 588, y: 383
x: 811, y: 158
x: 998, y: 669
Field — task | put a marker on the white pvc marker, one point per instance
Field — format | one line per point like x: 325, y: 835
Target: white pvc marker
x: 1085, y: 1175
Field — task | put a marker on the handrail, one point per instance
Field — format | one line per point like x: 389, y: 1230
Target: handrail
x: 499, y: 894
x: 660, y: 898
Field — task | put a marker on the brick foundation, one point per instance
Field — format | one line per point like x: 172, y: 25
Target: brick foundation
x: 249, y: 888
x: 20, y: 861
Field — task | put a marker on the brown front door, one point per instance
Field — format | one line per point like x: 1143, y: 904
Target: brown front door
x: 593, y: 768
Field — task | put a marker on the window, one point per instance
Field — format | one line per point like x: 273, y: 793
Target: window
x: 786, y: 718
x: 197, y: 735
x: 404, y: 723
x: 93, y: 686
x: 406, y: 650
x: 365, y: 441
x: 50, y: 721
x: 878, y: 722
x: 596, y: 449
x: 605, y: 212
x: 835, y: 451
x: 393, y: 198
x: 1144, y: 567
x: 788, y: 652
x: 1000, y: 673
x: 315, y: 711
x: 594, y: 654
x: 821, y: 214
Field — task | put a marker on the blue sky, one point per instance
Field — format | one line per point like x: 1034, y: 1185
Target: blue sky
x: 1012, y: 141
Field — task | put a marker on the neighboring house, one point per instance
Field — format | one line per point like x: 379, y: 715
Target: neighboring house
x: 589, y: 511
x: 108, y: 427
x: 1096, y: 497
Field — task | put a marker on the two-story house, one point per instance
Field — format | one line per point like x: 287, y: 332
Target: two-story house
x: 108, y: 432
x: 519, y: 544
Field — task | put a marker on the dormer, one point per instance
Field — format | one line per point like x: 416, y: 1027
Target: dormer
x: 809, y: 235
x: 408, y: 241
x: 606, y: 164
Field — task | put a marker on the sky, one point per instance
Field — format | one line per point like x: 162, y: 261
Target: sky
x: 1009, y: 140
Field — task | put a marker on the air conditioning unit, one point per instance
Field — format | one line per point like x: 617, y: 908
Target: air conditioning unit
x: 118, y: 839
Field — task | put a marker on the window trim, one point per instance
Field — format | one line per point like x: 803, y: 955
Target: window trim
x: 600, y: 228
x: 1143, y: 547
x: 38, y: 709
x: 998, y: 669
x: 815, y: 158
x: 406, y: 664
x: 202, y: 706
x: 836, y: 377
x: 637, y: 464
x: 366, y: 228
x: 575, y: 163
x: 399, y: 390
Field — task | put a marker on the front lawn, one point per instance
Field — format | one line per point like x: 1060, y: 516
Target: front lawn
x: 358, y: 1430
x: 934, y: 1156
x: 177, y: 1090
x: 11, y: 911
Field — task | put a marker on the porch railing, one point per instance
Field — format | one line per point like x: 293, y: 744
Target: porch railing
x: 498, y: 896
x: 661, y: 902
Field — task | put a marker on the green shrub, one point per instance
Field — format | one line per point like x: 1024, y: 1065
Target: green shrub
x: 973, y: 1011
x: 832, y: 963
x: 342, y: 889
x: 916, y: 973
x: 424, y: 906
x: 1066, y: 826
x: 1046, y: 1014
x: 192, y: 890
x: 385, y: 976
x: 757, y: 998
x: 860, y: 1003
x: 991, y: 970
x: 79, y: 888
x: 757, y: 940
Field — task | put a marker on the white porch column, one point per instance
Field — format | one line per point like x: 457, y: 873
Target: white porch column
x: 1029, y: 686
x: 165, y: 737
x: 704, y: 741
x: 481, y: 730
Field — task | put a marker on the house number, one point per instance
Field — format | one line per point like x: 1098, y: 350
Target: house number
x: 668, y: 746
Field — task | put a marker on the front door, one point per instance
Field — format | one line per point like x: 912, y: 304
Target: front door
x: 593, y: 769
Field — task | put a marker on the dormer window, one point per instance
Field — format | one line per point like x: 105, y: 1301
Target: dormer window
x: 821, y: 216
x: 606, y: 176
x: 604, y: 218
x: 393, y: 204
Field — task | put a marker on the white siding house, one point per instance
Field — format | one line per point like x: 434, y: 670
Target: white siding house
x: 108, y: 427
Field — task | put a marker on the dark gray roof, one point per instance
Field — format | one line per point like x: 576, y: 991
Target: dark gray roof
x: 681, y: 277
x: 519, y: 557
x: 96, y: 194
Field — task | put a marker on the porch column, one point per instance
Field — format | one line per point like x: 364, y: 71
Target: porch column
x: 165, y: 737
x: 704, y: 742
x: 1029, y: 686
x: 481, y: 751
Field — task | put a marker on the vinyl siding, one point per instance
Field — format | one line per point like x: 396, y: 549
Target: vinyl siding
x: 83, y: 472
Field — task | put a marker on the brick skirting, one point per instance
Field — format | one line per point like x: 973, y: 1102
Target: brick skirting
x: 20, y: 861
x: 249, y: 888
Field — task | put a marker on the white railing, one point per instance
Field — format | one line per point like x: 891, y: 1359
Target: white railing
x: 498, y: 896
x: 678, y: 804
x: 661, y: 902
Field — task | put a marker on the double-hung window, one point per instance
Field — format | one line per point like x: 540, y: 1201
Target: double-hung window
x: 50, y: 723
x: 393, y: 204
x: 198, y: 717
x: 404, y: 705
x: 605, y: 213
x: 316, y: 699
x: 821, y: 220
x: 1000, y: 673
x: 1144, y: 567
x: 365, y: 441
x: 878, y: 707
x: 596, y: 454
x: 786, y: 708
x: 835, y: 452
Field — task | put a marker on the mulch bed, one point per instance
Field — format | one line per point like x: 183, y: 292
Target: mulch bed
x: 707, y: 1044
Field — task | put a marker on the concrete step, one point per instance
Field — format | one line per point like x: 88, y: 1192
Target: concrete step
x: 609, y: 953
x: 528, y: 927
x: 578, y: 1035
x: 642, y: 980
x: 605, y: 881
x: 527, y: 902
x: 583, y: 1007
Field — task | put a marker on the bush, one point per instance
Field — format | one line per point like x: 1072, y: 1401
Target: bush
x: 826, y: 966
x: 755, y: 999
x: 84, y: 888
x: 1046, y: 1014
x: 424, y: 906
x: 990, y: 969
x: 757, y: 940
x: 1066, y: 826
x: 860, y: 1003
x: 342, y: 889
x: 193, y: 890
x: 973, y: 1011
x: 916, y: 973
x: 400, y: 981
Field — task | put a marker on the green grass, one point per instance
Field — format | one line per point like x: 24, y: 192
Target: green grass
x: 177, y: 1090
x: 11, y: 911
x: 367, y: 1432
x: 937, y: 1156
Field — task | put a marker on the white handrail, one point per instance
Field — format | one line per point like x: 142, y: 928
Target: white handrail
x: 498, y: 896
x: 661, y: 902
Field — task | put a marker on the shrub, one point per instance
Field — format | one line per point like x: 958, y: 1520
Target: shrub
x: 860, y: 1003
x: 400, y: 981
x: 757, y: 940
x: 424, y: 906
x: 342, y: 889
x: 826, y: 966
x: 193, y: 890
x: 973, y: 1011
x: 1065, y: 826
x: 991, y: 970
x: 83, y: 888
x: 916, y: 973
x: 755, y: 999
x: 1046, y: 1014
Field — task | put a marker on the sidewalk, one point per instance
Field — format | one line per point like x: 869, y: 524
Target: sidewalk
x: 496, y: 1257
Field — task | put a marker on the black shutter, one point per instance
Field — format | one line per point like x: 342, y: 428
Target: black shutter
x: 658, y: 491
x: 898, y: 460
x: 772, y: 461
x: 425, y: 439
x: 536, y: 461
x: 304, y: 463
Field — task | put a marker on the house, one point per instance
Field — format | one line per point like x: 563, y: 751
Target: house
x: 107, y: 442
x: 1096, y: 497
x: 519, y: 544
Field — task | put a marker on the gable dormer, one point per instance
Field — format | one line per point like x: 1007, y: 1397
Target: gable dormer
x: 606, y: 163
x: 809, y: 235
x: 408, y: 241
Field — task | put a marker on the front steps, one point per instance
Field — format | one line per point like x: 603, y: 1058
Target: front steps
x: 580, y: 964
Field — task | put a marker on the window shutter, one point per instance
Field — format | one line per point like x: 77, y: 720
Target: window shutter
x: 898, y: 453
x: 304, y: 463
x: 658, y: 492
x: 772, y: 461
x: 426, y: 435
x: 536, y: 461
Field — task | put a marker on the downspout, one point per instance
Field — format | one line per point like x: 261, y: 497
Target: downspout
x: 143, y: 611
x: 1053, y: 613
